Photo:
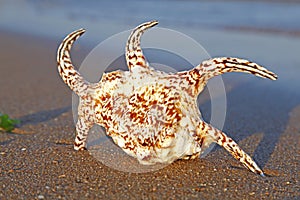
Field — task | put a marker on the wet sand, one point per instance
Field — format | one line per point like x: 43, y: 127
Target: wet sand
x: 39, y: 162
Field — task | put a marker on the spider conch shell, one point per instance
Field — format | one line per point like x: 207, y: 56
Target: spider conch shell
x: 152, y: 115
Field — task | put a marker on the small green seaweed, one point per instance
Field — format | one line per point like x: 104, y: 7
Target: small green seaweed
x: 6, y: 123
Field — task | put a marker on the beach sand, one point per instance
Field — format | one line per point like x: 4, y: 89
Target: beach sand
x: 39, y: 162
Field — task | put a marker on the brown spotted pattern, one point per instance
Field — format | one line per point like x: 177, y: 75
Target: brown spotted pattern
x: 153, y: 116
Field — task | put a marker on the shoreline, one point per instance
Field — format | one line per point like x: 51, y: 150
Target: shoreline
x: 227, y: 29
x: 58, y: 18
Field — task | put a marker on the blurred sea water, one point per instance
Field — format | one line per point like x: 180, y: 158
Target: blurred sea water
x: 57, y: 17
x: 202, y: 20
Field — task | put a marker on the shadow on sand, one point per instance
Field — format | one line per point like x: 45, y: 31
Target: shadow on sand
x: 43, y: 116
x: 258, y: 107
